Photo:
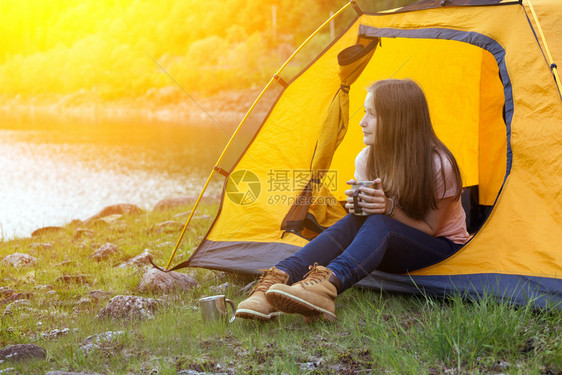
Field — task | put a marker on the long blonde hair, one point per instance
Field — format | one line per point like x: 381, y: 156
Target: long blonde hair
x: 405, y: 146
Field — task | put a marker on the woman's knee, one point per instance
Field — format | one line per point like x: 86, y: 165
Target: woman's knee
x: 349, y: 222
x: 379, y: 221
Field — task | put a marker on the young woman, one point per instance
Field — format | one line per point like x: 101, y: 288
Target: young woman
x: 415, y: 214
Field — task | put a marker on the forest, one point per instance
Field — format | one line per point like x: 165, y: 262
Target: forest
x: 107, y: 49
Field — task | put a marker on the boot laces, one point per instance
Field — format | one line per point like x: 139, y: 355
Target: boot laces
x: 315, y: 275
x: 267, y: 279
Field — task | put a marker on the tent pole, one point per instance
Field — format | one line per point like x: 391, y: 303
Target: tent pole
x: 217, y: 167
x: 189, y: 219
x: 313, y: 35
x: 553, y: 66
x: 217, y: 164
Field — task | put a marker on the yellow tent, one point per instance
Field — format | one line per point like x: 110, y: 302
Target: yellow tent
x: 490, y: 81
x: 352, y: 61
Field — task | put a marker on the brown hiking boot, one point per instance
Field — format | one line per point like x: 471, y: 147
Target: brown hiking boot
x: 313, y: 297
x: 256, y: 306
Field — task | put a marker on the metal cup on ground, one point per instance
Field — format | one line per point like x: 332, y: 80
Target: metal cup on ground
x: 214, y: 308
x: 357, y: 210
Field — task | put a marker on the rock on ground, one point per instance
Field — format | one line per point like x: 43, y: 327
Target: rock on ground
x: 43, y: 288
x: 83, y: 232
x: 17, y: 297
x: 42, y: 246
x: 93, y: 341
x: 105, y: 251
x: 155, y: 280
x: 16, y: 305
x: 56, y: 333
x: 245, y: 291
x: 182, y: 215
x: 107, y: 221
x: 19, y: 260
x: 22, y: 352
x: 168, y: 203
x: 64, y: 262
x: 165, y: 244
x: 129, y: 307
x: 121, y: 209
x: 84, y: 302
x: 6, y: 292
x: 220, y: 289
x: 46, y: 230
x: 70, y: 373
x: 169, y: 226
x: 99, y: 294
x: 78, y: 279
x: 139, y: 261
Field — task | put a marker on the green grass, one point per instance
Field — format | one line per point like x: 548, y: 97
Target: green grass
x: 375, y: 332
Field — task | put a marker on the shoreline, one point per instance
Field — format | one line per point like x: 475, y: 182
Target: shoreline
x: 168, y: 105
x: 228, y: 109
x: 115, y: 211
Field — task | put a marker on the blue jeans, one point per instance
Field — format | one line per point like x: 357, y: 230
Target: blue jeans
x: 355, y: 246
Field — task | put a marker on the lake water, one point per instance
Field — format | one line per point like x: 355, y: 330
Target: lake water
x: 53, y: 171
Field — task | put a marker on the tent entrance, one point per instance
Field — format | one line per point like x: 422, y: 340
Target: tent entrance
x: 469, y: 93
x: 467, y: 90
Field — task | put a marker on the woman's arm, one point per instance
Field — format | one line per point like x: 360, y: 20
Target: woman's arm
x: 432, y: 222
x: 374, y: 201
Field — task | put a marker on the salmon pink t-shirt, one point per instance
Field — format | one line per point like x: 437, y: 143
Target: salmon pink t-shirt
x: 455, y: 226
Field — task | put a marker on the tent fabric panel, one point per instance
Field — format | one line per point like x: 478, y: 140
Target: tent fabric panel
x: 251, y: 127
x: 523, y: 233
x: 548, y: 12
x: 240, y: 256
x: 522, y: 236
x: 292, y: 125
x: 539, y: 291
x: 269, y: 161
x: 492, y: 139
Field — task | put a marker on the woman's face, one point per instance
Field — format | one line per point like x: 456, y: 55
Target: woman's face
x: 369, y: 122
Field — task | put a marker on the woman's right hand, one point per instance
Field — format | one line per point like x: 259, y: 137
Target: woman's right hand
x: 370, y: 199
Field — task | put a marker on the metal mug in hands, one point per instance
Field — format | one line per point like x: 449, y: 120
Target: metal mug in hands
x: 213, y: 308
x: 357, y: 209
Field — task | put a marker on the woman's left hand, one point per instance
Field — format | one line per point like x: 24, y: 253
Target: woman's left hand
x: 374, y: 201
